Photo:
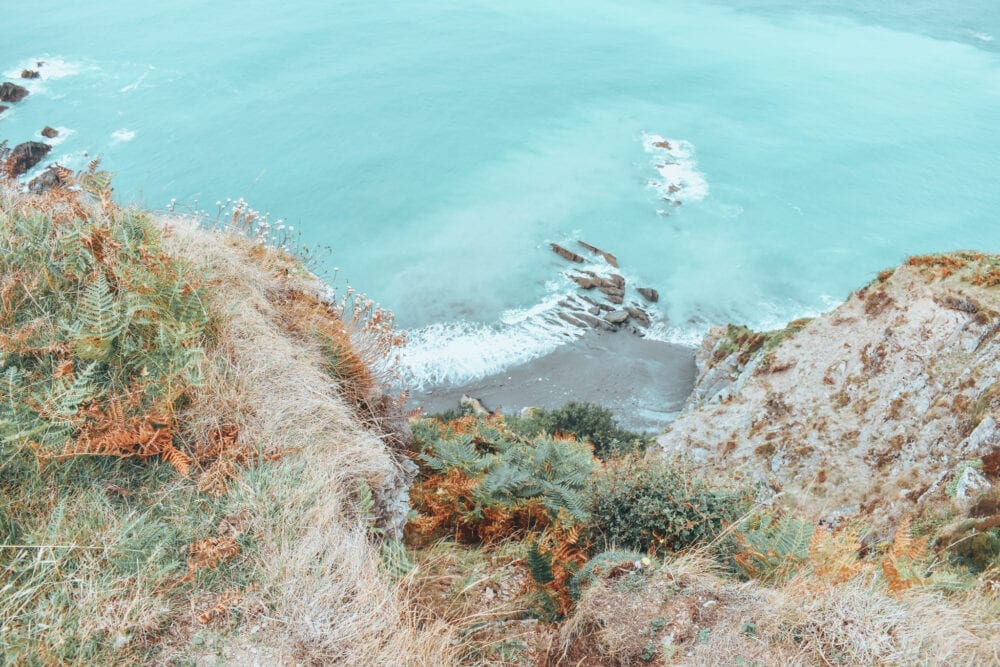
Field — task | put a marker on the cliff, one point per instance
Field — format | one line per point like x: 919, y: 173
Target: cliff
x: 884, y: 407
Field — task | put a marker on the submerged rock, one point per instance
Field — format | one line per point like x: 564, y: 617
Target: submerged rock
x: 11, y: 92
x: 25, y: 156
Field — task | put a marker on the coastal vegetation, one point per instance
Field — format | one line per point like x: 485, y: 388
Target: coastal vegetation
x: 204, y: 456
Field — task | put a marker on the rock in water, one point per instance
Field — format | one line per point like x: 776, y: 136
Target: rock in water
x: 617, y: 316
x: 29, y: 74
x: 50, y: 132
x: 649, y: 294
x: 53, y: 177
x: 11, y: 92
x: 25, y: 156
x: 566, y: 254
x: 639, y: 315
x: 3, y: 108
x: 608, y: 257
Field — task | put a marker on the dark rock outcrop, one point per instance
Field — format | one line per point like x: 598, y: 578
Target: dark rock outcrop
x: 3, y: 108
x: 29, y: 74
x: 639, y: 315
x: 649, y: 294
x: 50, y: 179
x: 50, y: 132
x: 25, y: 156
x: 565, y: 253
x: 11, y: 92
x: 608, y: 257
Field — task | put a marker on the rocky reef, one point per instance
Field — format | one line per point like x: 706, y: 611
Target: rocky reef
x: 885, y: 407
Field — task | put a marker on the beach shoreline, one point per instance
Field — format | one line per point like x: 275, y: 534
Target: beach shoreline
x: 644, y: 382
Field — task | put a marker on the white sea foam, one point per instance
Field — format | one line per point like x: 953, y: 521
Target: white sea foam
x: 135, y: 85
x: 462, y: 351
x: 457, y: 352
x: 51, y: 68
x: 122, y: 135
x: 981, y: 36
x: 679, y: 179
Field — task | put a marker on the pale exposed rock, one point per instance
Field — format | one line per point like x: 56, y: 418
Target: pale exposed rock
x: 871, y: 406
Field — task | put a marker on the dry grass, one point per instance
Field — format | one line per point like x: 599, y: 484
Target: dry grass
x: 265, y: 552
x: 686, y: 613
x: 330, y: 599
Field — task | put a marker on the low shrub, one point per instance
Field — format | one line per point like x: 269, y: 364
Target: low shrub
x: 481, y: 481
x: 584, y: 421
x: 656, y: 507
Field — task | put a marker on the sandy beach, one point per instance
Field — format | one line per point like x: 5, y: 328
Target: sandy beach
x: 644, y: 382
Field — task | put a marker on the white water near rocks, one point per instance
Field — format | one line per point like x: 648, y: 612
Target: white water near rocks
x: 438, y: 148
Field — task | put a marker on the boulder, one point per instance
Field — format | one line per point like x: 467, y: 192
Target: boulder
x: 3, y: 108
x: 583, y: 281
x: 649, y: 294
x: 566, y: 254
x: 11, y: 92
x: 25, y: 156
x: 663, y: 144
x: 617, y: 316
x: 613, y: 293
x: 29, y: 74
x: 50, y: 132
x: 608, y: 257
x: 639, y: 315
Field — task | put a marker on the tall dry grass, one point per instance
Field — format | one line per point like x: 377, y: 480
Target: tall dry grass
x: 330, y: 602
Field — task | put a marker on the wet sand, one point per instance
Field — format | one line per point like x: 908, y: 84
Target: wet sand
x: 644, y: 382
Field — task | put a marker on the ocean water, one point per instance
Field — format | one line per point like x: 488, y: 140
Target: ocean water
x: 432, y: 150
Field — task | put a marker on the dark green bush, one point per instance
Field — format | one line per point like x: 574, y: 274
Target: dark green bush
x: 586, y: 421
x: 656, y: 507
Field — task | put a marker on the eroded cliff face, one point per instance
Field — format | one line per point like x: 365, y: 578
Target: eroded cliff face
x: 887, y: 405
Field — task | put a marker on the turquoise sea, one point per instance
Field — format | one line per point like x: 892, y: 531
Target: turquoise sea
x: 437, y: 147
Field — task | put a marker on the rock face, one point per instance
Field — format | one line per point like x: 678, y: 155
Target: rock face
x: 566, y: 254
x: 53, y: 177
x: 11, y: 92
x: 649, y: 294
x: 608, y: 257
x: 25, y: 156
x: 50, y: 132
x: 875, y: 410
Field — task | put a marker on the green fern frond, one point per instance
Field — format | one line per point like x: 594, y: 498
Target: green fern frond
x: 99, y: 320
x: 539, y: 564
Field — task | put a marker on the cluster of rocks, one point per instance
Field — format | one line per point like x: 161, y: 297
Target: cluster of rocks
x: 25, y: 156
x: 601, y: 302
